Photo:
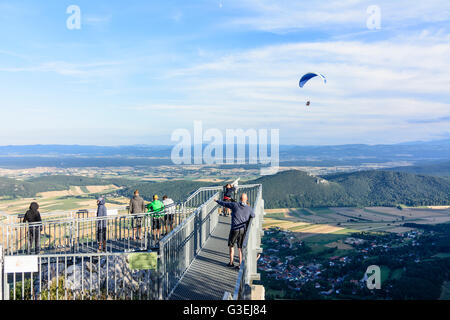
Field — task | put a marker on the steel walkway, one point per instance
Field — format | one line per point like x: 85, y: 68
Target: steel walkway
x: 208, y: 277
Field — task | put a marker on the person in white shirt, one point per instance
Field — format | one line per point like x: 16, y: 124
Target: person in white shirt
x: 169, y: 217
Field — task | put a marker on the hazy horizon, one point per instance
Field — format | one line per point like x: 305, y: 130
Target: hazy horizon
x: 281, y: 145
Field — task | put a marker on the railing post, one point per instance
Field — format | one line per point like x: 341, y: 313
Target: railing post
x: 145, y: 231
x: 1, y: 273
x: 202, y: 229
x: 161, y: 274
x: 197, y: 213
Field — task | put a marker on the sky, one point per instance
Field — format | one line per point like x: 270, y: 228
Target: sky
x: 135, y: 70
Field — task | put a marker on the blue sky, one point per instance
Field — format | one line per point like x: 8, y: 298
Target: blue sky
x: 138, y: 70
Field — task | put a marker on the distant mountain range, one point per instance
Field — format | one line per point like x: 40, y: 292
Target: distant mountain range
x: 81, y: 150
x: 290, y: 155
x: 435, y: 169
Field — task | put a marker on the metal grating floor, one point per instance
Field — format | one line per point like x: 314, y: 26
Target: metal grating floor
x: 208, y: 277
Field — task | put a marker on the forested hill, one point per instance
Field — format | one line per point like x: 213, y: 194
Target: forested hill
x: 178, y: 190
x: 11, y: 187
x: 390, y: 188
x: 294, y: 188
x: 286, y: 189
x: 29, y: 188
x: 441, y: 169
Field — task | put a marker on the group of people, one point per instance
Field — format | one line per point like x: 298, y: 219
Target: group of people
x: 162, y: 212
x: 163, y: 216
x: 229, y: 192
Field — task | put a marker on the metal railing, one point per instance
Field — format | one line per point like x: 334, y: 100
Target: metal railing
x: 69, y: 267
x: 73, y: 234
x: 100, y: 276
x: 69, y: 232
x: 68, y: 271
x: 179, y: 248
x: 55, y: 215
x: 202, y: 194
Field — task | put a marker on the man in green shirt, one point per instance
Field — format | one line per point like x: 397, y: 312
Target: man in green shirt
x: 156, y: 209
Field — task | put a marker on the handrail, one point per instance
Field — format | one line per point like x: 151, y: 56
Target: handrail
x: 65, y: 234
x: 178, y: 249
x: 218, y: 188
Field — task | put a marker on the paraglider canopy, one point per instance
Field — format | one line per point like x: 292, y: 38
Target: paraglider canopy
x: 309, y: 76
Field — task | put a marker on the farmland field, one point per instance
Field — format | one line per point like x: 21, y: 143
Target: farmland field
x: 74, y: 198
x: 308, y: 221
x: 445, y: 295
x: 327, y: 228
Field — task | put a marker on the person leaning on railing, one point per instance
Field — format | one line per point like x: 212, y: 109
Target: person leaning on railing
x: 228, y: 196
x: 34, y: 231
x: 156, y: 210
x: 241, y: 213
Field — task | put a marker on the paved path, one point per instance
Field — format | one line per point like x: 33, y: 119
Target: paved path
x: 208, y: 277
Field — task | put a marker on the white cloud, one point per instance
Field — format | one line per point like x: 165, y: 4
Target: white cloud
x: 288, y: 15
x: 96, y: 20
x: 66, y: 68
x: 177, y: 16
x: 378, y: 89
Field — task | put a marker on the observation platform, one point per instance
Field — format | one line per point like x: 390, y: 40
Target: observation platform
x: 208, y: 277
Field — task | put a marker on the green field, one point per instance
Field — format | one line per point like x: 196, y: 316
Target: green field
x: 299, y: 228
x: 276, y: 215
x: 64, y: 204
x: 396, y: 274
x: 321, y: 210
x: 442, y: 255
x: 445, y: 295
x: 318, y: 244
x: 346, y: 231
x: 322, y: 239
x: 301, y: 212
x: 387, y: 215
x: 385, y: 273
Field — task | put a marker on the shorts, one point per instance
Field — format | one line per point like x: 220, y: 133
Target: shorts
x: 236, y: 236
x: 137, y: 222
x: 101, y: 234
x: 168, y: 219
x: 156, y: 223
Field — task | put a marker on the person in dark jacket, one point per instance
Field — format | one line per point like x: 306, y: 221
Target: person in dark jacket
x: 228, y: 196
x: 101, y: 224
x: 137, y: 206
x: 33, y: 217
x: 241, y: 213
